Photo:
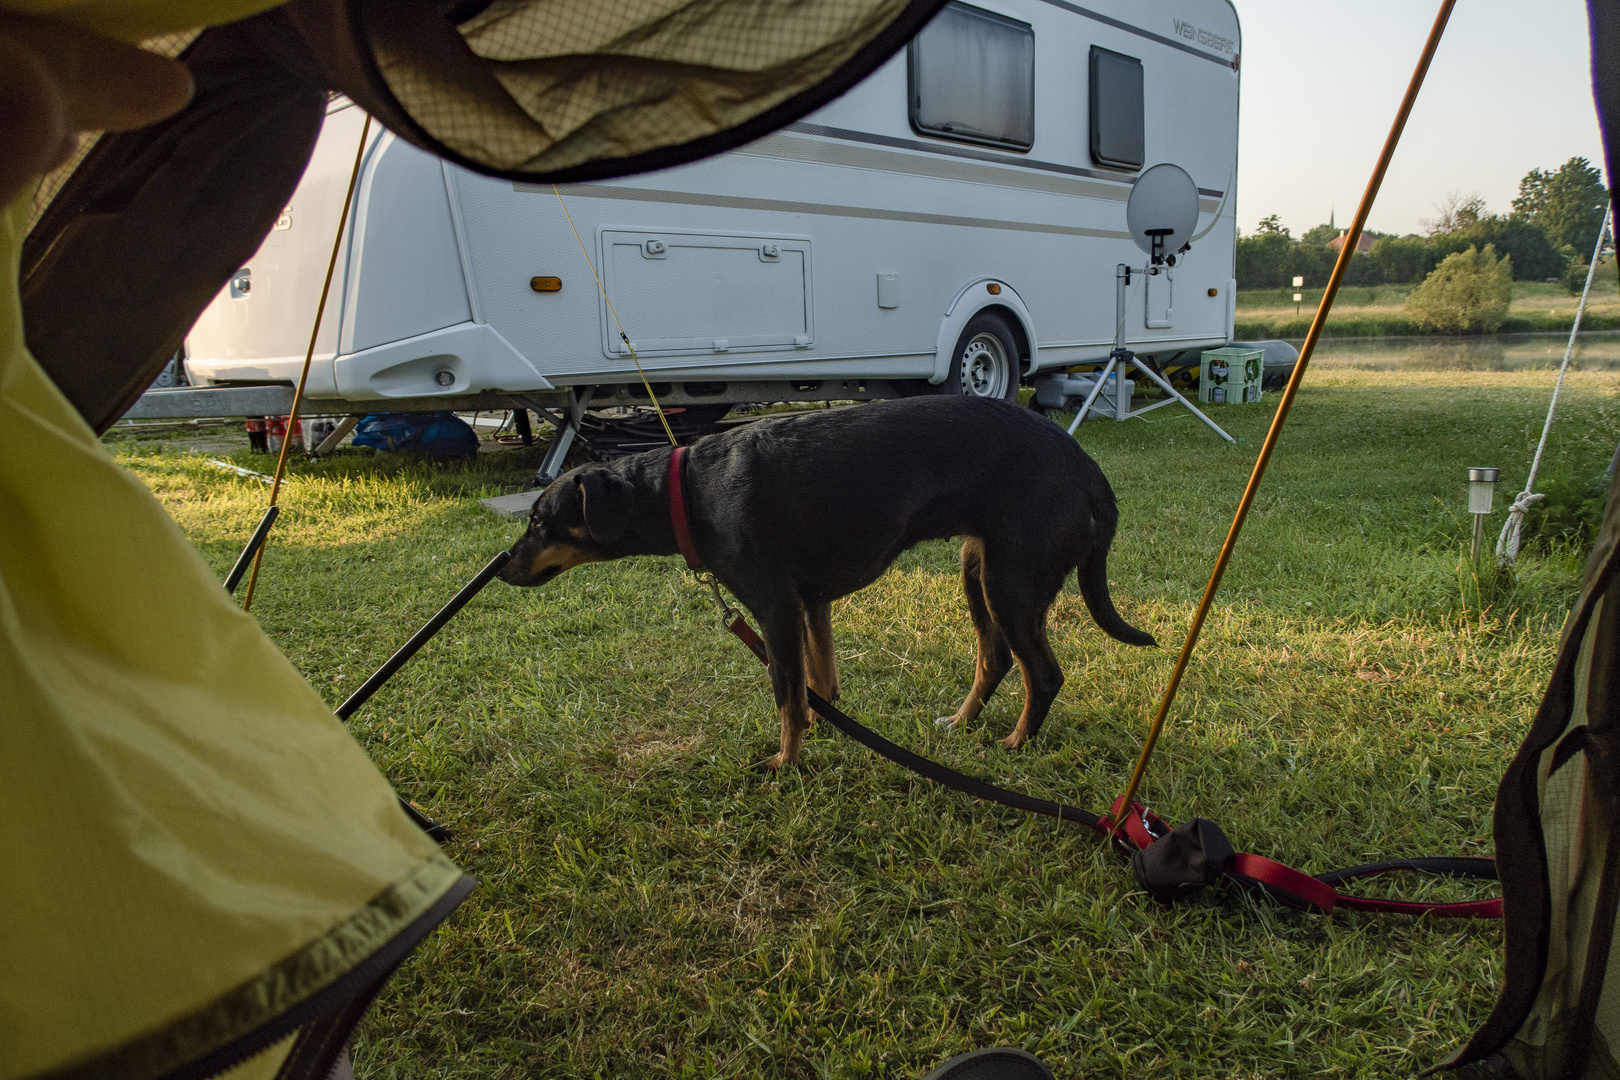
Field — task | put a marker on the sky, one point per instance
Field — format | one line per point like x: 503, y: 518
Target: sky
x: 1509, y: 91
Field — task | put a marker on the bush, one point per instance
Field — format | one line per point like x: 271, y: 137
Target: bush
x: 1575, y: 275
x: 1468, y: 293
x: 1534, y: 257
x: 1571, y: 513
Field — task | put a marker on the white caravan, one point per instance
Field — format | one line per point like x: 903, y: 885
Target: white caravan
x: 952, y: 224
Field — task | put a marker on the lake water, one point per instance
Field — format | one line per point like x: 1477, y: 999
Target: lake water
x: 1594, y: 351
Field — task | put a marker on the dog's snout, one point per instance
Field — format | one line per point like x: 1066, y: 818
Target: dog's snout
x: 536, y: 561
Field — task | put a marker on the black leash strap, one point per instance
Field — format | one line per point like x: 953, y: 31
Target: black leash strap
x: 932, y: 770
x: 1138, y: 829
x: 944, y: 774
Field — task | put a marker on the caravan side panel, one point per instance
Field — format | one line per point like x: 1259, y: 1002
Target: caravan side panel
x: 260, y: 333
x: 405, y: 278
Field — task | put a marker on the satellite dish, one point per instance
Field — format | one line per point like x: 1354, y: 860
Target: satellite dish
x: 1163, y: 210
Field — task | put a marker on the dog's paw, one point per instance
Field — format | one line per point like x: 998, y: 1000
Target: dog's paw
x: 1014, y: 741
x: 773, y: 764
x: 945, y: 723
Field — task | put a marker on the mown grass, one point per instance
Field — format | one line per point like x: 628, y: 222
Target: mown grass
x: 1380, y: 310
x: 652, y: 907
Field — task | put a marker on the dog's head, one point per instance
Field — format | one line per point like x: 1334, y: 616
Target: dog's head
x: 578, y: 519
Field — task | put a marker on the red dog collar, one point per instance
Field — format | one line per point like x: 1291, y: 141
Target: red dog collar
x: 677, y: 510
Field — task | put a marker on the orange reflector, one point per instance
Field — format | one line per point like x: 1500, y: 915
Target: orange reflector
x: 993, y: 289
x: 546, y: 284
x: 1212, y: 292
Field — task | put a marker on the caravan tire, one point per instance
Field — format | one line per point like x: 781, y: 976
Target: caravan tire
x: 985, y: 361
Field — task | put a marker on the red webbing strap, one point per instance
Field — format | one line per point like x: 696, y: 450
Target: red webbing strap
x: 677, y: 512
x: 1321, y: 895
x: 745, y: 634
x: 1138, y: 828
x: 1285, y: 879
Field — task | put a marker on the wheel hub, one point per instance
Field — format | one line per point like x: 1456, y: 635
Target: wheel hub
x: 985, y: 368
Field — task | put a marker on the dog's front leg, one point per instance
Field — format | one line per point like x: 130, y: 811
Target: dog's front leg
x: 783, y: 629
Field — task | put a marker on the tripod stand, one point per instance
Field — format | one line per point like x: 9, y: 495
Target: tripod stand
x: 1122, y: 355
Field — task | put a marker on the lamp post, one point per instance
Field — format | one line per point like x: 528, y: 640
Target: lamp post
x: 1299, y: 283
x: 1481, y: 489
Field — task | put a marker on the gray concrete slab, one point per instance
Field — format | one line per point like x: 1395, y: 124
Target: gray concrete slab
x: 516, y: 507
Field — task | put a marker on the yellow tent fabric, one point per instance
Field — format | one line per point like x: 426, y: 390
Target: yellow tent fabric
x: 137, y: 20
x: 190, y: 842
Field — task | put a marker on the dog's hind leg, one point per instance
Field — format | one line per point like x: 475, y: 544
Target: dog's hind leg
x: 820, y: 663
x: 994, y: 657
x: 782, y: 624
x: 1019, y: 600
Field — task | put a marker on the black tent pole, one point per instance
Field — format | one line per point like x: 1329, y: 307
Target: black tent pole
x: 422, y: 636
x: 245, y: 560
x: 408, y: 650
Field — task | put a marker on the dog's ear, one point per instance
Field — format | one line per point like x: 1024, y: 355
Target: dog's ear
x: 607, y: 499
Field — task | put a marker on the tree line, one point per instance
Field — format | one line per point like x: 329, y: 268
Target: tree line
x: 1548, y: 234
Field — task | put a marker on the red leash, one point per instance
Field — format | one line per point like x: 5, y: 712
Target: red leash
x: 1140, y: 828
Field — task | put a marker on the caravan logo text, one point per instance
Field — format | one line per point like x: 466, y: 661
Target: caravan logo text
x: 1203, y: 37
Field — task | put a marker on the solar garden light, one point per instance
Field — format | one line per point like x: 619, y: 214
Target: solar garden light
x: 1481, y: 488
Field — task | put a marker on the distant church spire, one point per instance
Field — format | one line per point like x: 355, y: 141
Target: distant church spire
x: 1331, y: 225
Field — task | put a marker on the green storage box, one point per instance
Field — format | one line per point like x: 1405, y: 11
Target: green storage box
x: 1230, y: 376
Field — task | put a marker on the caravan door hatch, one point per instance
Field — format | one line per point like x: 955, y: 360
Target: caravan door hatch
x: 682, y: 293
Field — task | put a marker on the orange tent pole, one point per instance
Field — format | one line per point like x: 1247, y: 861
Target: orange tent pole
x: 309, y: 353
x: 1287, y: 402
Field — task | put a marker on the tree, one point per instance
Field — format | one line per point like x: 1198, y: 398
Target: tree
x: 1566, y: 202
x: 1319, y: 235
x: 1456, y: 211
x: 1468, y: 293
x: 1363, y: 270
x: 1401, y: 260
x: 1534, y: 257
x: 1260, y: 259
x: 1271, y: 225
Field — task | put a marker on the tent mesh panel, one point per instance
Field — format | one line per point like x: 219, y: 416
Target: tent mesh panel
x: 548, y: 85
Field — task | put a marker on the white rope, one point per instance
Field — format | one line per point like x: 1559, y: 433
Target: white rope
x: 1507, y: 545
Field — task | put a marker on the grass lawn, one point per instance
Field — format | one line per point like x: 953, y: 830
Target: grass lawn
x: 652, y: 907
x: 1374, y: 310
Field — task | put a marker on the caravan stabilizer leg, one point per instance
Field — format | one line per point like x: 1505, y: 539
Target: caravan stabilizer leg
x: 567, y: 427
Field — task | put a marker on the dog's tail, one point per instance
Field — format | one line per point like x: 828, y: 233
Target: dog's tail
x: 1093, y: 574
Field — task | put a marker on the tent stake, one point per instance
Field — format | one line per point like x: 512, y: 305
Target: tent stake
x: 1283, y: 406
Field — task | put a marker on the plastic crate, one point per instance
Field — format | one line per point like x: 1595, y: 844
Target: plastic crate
x: 1230, y: 376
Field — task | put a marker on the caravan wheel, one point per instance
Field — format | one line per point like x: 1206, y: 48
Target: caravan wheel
x: 985, y: 363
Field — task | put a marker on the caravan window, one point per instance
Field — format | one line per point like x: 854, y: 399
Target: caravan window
x: 1116, y: 109
x: 973, y: 78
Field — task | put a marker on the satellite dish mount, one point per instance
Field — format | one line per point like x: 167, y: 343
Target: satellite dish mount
x: 1162, y: 213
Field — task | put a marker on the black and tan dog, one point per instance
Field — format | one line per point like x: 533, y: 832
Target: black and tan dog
x: 793, y: 512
